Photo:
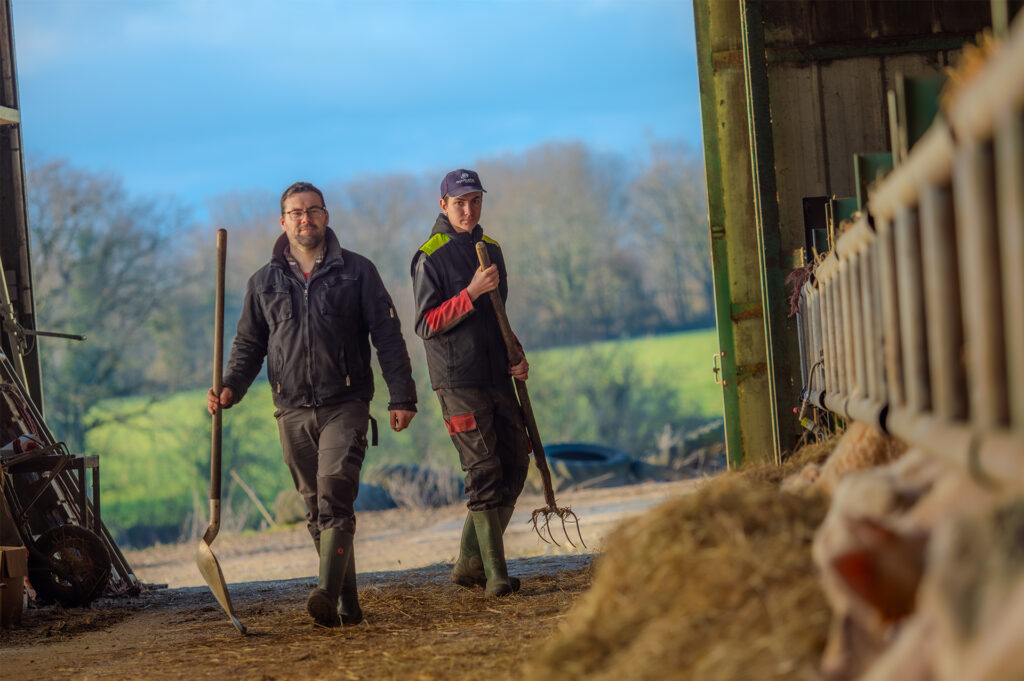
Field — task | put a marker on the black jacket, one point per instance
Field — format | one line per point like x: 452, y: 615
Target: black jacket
x: 462, y: 338
x: 316, y: 337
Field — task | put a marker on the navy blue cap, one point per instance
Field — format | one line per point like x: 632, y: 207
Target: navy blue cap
x: 459, y: 182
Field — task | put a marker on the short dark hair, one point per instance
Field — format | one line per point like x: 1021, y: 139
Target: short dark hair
x: 298, y: 188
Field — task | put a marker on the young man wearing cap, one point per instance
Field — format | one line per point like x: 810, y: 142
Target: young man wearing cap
x: 470, y: 372
x: 312, y: 312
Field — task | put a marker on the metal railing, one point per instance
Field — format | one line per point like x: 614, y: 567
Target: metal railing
x: 914, y: 321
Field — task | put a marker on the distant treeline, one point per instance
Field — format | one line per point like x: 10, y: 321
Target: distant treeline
x: 598, y: 247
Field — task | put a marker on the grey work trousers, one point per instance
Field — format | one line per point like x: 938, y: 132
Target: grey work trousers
x: 324, y: 449
x: 486, y: 425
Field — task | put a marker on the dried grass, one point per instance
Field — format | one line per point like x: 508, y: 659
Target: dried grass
x: 418, y: 626
x: 718, y: 585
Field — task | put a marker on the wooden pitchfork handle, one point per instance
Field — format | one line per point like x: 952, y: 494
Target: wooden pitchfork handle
x: 515, y: 356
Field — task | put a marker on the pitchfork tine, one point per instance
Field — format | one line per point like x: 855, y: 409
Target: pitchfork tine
x: 566, y: 533
x: 575, y: 521
x: 537, y: 529
x: 547, y: 526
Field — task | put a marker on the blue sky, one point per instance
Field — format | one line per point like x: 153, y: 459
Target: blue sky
x: 194, y: 99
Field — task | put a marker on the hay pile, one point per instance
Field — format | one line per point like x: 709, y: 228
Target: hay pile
x: 712, y: 586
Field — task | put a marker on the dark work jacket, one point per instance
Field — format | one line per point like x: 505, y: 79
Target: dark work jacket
x: 465, y: 348
x: 316, y: 338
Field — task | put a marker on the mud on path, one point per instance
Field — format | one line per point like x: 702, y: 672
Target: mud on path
x: 417, y: 626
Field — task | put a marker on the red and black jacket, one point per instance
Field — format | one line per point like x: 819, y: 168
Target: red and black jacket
x: 462, y: 338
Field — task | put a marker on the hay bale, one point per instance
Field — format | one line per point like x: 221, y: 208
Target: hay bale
x: 717, y: 585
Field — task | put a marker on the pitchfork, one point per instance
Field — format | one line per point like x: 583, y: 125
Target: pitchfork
x: 542, y: 516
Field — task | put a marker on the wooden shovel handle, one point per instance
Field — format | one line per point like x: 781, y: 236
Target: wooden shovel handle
x: 515, y: 356
x: 218, y: 364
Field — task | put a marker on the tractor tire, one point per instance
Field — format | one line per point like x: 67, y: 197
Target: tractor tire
x: 586, y: 465
x: 69, y: 565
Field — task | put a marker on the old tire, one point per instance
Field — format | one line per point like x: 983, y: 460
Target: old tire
x: 583, y: 464
x: 70, y: 565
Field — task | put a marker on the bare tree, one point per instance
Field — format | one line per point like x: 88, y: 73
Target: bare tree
x: 559, y: 208
x: 668, y: 214
x: 102, y: 266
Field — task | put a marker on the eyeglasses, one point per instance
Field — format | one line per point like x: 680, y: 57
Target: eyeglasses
x: 314, y: 213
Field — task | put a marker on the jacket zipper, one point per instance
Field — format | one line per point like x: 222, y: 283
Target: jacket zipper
x: 309, y: 345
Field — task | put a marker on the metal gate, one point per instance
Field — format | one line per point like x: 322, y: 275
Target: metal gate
x: 914, y: 320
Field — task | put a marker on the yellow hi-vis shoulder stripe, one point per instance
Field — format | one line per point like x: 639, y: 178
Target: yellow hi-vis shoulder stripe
x: 435, y: 243
x: 439, y: 240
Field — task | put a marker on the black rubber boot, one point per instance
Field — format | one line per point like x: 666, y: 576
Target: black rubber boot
x: 492, y: 551
x: 322, y: 604
x: 349, y: 610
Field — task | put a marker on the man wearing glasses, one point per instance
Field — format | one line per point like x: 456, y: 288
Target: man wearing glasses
x: 312, y: 312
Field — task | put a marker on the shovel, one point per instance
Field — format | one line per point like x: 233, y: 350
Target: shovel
x: 565, y: 514
x: 207, y: 562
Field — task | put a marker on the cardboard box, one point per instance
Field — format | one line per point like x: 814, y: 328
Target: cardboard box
x: 13, y: 569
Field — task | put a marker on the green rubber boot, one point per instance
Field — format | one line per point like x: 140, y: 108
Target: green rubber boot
x: 468, y: 570
x: 349, y: 610
x: 492, y: 551
x: 335, y: 550
x: 464, y: 572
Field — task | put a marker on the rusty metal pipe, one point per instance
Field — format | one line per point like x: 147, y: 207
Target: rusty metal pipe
x: 876, y: 339
x: 942, y: 303
x: 837, y: 357
x: 889, y: 295
x: 828, y: 337
x: 868, y: 411
x: 977, y: 238
x: 817, y: 347
x: 858, y: 337
x: 911, y: 309
x: 1010, y: 189
x: 847, y: 341
x: 993, y: 455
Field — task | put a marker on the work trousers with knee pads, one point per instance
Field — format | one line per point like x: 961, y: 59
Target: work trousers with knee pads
x: 486, y: 425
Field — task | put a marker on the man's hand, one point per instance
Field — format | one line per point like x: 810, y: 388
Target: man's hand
x: 484, y: 281
x: 400, y: 419
x: 227, y: 398
x: 520, y: 371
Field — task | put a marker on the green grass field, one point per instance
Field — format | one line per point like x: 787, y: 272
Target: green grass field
x: 684, y: 359
x: 154, y: 452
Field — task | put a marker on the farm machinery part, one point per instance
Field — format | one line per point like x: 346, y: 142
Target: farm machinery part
x: 45, y: 505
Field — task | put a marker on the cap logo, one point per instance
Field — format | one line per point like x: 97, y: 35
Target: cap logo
x: 459, y: 182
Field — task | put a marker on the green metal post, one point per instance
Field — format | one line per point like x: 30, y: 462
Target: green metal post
x: 781, y: 334
x: 867, y: 170
x: 738, y: 309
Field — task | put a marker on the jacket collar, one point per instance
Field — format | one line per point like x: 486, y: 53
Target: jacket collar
x: 443, y: 226
x: 332, y: 252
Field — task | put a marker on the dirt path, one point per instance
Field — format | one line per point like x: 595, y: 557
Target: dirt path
x: 398, y: 539
x: 418, y: 625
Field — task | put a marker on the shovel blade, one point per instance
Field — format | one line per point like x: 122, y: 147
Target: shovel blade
x: 210, y: 569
